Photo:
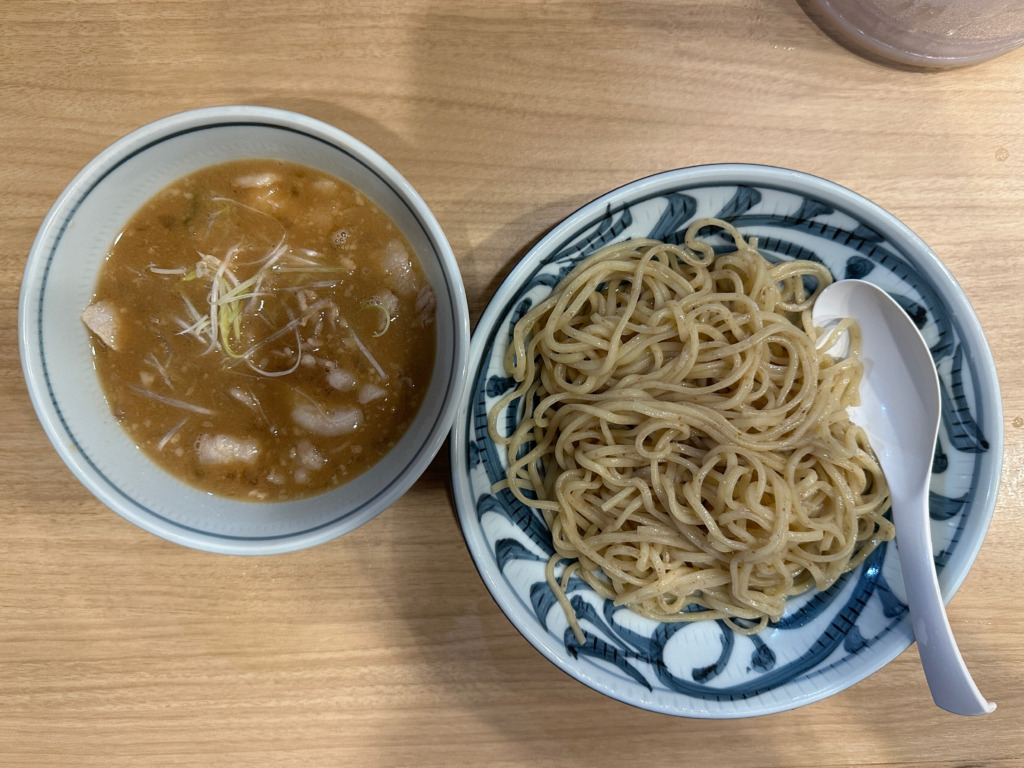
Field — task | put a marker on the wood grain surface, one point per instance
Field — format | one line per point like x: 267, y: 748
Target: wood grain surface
x: 383, y: 647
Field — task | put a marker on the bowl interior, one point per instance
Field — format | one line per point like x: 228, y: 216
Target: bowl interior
x: 60, y: 279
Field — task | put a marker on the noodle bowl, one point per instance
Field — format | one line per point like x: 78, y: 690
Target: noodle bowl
x: 684, y: 432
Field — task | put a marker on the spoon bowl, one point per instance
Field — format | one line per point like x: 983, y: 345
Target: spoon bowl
x: 900, y: 410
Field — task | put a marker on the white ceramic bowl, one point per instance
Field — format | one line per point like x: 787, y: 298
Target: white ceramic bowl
x: 59, y: 281
x: 827, y: 641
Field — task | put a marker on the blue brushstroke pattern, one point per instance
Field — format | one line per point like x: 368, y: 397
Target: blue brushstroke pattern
x: 680, y: 209
x: 630, y: 651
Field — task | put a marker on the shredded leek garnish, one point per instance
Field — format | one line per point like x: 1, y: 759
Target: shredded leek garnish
x: 238, y: 286
x: 384, y: 311
x: 172, y: 401
x: 170, y: 433
x: 228, y: 309
x: 366, y: 353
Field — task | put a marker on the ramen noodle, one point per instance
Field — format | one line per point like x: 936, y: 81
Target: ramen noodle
x: 684, y: 431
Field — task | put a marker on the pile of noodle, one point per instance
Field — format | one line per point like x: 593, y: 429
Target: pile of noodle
x: 685, y: 432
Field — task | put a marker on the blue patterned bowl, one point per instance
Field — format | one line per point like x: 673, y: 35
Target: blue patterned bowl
x: 827, y: 641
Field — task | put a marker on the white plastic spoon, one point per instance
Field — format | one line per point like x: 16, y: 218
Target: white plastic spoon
x: 900, y: 410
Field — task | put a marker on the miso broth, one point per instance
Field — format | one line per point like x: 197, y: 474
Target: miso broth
x: 262, y: 330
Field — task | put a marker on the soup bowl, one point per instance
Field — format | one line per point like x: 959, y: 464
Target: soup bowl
x: 60, y: 279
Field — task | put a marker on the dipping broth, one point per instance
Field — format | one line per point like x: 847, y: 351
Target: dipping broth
x: 262, y: 330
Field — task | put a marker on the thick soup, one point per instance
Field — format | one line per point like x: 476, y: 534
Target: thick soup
x: 262, y: 330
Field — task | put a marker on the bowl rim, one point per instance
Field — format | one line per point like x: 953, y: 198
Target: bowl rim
x: 30, y: 324
x: 783, y: 179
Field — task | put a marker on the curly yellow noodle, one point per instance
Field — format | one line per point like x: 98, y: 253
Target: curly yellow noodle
x: 685, y: 432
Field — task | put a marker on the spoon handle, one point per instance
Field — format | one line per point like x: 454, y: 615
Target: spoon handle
x: 952, y: 686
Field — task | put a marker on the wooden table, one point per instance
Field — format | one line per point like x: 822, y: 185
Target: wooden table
x: 383, y: 647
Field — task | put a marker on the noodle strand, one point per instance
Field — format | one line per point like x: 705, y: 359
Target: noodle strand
x: 685, y: 434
